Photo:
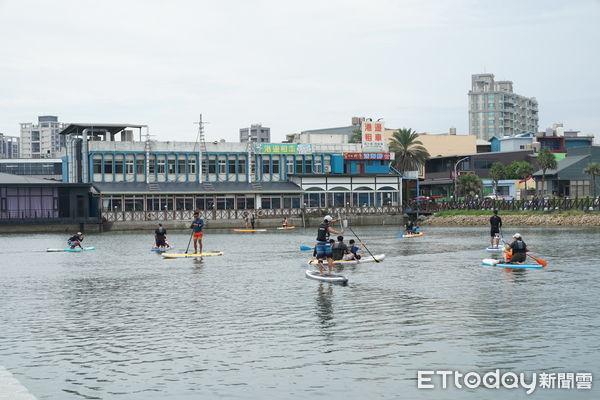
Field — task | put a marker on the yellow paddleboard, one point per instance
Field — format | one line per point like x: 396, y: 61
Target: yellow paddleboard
x: 286, y: 228
x: 191, y: 255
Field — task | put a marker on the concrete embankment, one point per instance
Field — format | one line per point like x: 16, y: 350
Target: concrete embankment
x: 262, y: 223
x: 516, y: 220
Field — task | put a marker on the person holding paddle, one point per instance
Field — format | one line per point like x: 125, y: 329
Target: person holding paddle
x: 496, y: 224
x: 516, y: 252
x: 322, y: 248
x: 197, y: 226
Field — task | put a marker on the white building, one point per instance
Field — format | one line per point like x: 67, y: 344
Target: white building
x: 42, y: 140
x: 9, y: 146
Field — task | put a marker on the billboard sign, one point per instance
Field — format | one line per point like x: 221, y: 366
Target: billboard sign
x: 367, y: 156
x: 282, y: 148
x: 373, y: 135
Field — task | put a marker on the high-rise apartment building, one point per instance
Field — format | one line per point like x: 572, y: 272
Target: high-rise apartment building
x: 495, y: 110
x: 42, y: 140
x: 9, y: 146
x: 256, y: 133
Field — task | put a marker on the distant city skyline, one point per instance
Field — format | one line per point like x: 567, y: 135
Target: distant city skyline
x: 292, y: 67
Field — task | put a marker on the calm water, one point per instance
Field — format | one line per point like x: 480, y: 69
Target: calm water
x: 122, y: 323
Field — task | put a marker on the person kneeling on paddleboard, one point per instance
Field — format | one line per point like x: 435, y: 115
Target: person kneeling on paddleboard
x: 322, y: 247
x: 518, y: 250
x: 409, y: 227
x: 75, y: 240
x: 197, y: 226
x: 160, y: 237
x: 339, y: 249
x: 354, y: 249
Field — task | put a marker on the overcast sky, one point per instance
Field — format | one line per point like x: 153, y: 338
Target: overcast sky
x: 292, y: 65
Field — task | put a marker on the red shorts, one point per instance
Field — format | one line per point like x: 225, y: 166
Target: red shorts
x: 198, y: 235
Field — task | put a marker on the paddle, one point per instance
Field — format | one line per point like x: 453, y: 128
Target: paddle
x: 366, y: 248
x: 189, y: 241
x: 543, y: 263
x: 306, y: 248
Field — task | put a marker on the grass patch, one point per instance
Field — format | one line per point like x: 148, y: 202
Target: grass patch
x: 567, y: 213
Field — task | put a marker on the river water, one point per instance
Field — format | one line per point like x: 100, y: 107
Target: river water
x: 122, y: 323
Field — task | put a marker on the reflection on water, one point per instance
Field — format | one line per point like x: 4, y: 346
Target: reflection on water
x: 122, y: 322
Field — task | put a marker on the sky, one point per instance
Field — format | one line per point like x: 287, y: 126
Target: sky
x: 292, y: 65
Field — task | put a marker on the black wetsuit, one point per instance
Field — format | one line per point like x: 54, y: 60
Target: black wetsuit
x: 519, y: 251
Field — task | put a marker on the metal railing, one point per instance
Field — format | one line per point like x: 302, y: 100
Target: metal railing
x: 536, y: 204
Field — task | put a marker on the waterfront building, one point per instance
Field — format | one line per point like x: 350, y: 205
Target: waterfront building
x: 559, y: 140
x: 568, y: 179
x: 42, y: 140
x: 152, y: 176
x: 27, y: 200
x: 439, y: 171
x: 41, y: 168
x: 494, y: 109
x: 9, y: 146
x: 256, y: 134
x: 525, y: 141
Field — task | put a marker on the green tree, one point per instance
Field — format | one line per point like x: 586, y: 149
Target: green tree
x: 356, y: 136
x: 545, y: 161
x: 519, y: 170
x: 593, y: 169
x: 497, y: 172
x: 469, y: 185
x: 409, y: 151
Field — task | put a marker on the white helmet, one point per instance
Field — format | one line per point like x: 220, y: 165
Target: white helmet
x: 517, y: 236
x: 328, y: 218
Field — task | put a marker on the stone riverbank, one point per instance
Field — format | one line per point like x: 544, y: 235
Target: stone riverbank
x: 516, y: 220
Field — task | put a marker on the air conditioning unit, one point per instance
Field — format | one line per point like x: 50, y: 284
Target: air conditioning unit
x: 327, y: 169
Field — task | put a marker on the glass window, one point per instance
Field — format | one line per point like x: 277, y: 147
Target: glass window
x: 108, y: 167
x: 139, y: 166
x: 97, y: 166
x: 309, y: 168
x: 160, y: 166
x: 242, y: 165
x: 119, y: 166
x: 181, y: 165
x: 35, y: 147
x: 151, y: 164
x: 490, y: 105
x: 490, y: 97
x: 266, y: 166
x: 35, y: 136
x: 222, y: 165
x: 192, y: 165
x: 171, y: 164
x: 232, y: 165
x: 290, y: 165
x: 491, y: 114
x: 275, y: 166
x: 299, y: 169
x: 129, y: 166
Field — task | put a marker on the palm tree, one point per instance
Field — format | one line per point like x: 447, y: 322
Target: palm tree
x: 356, y: 136
x: 497, y: 172
x: 409, y: 151
x: 593, y: 169
x: 546, y: 161
x: 469, y: 185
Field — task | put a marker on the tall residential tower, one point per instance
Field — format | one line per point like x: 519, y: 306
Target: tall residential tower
x: 42, y: 140
x: 495, y: 110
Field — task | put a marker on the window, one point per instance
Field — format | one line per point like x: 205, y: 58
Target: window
x: 97, y: 166
x: 290, y: 165
x: 275, y: 166
x: 192, y: 165
x: 491, y: 114
x: 490, y: 97
x: 212, y: 166
x: 241, y: 166
x: 139, y: 166
x: 108, y: 167
x: 171, y: 163
x: 299, y: 168
x: 232, y: 165
x: 181, y: 166
x: 35, y: 147
x: 151, y: 164
x: 490, y: 105
x: 119, y: 166
x: 483, y: 164
x: 318, y: 169
x: 266, y: 166
x: 129, y: 166
x: 160, y: 166
x: 222, y: 165
x: 35, y: 136
x: 309, y: 168
x: 491, y: 129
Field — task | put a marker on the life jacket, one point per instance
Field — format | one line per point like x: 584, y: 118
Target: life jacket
x: 323, y: 233
x: 518, y: 246
x: 338, y: 250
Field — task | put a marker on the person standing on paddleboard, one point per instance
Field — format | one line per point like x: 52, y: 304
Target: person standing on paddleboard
x: 197, y: 226
x: 75, y: 240
x: 160, y: 237
x: 496, y: 224
x: 284, y: 223
x: 322, y: 248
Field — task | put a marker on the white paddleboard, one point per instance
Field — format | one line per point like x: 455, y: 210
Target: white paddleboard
x: 191, y: 255
x: 498, y: 263
x: 378, y: 257
x: 325, y: 277
x: 494, y: 249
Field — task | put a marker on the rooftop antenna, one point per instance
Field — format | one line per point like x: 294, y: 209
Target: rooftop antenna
x: 201, y: 141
